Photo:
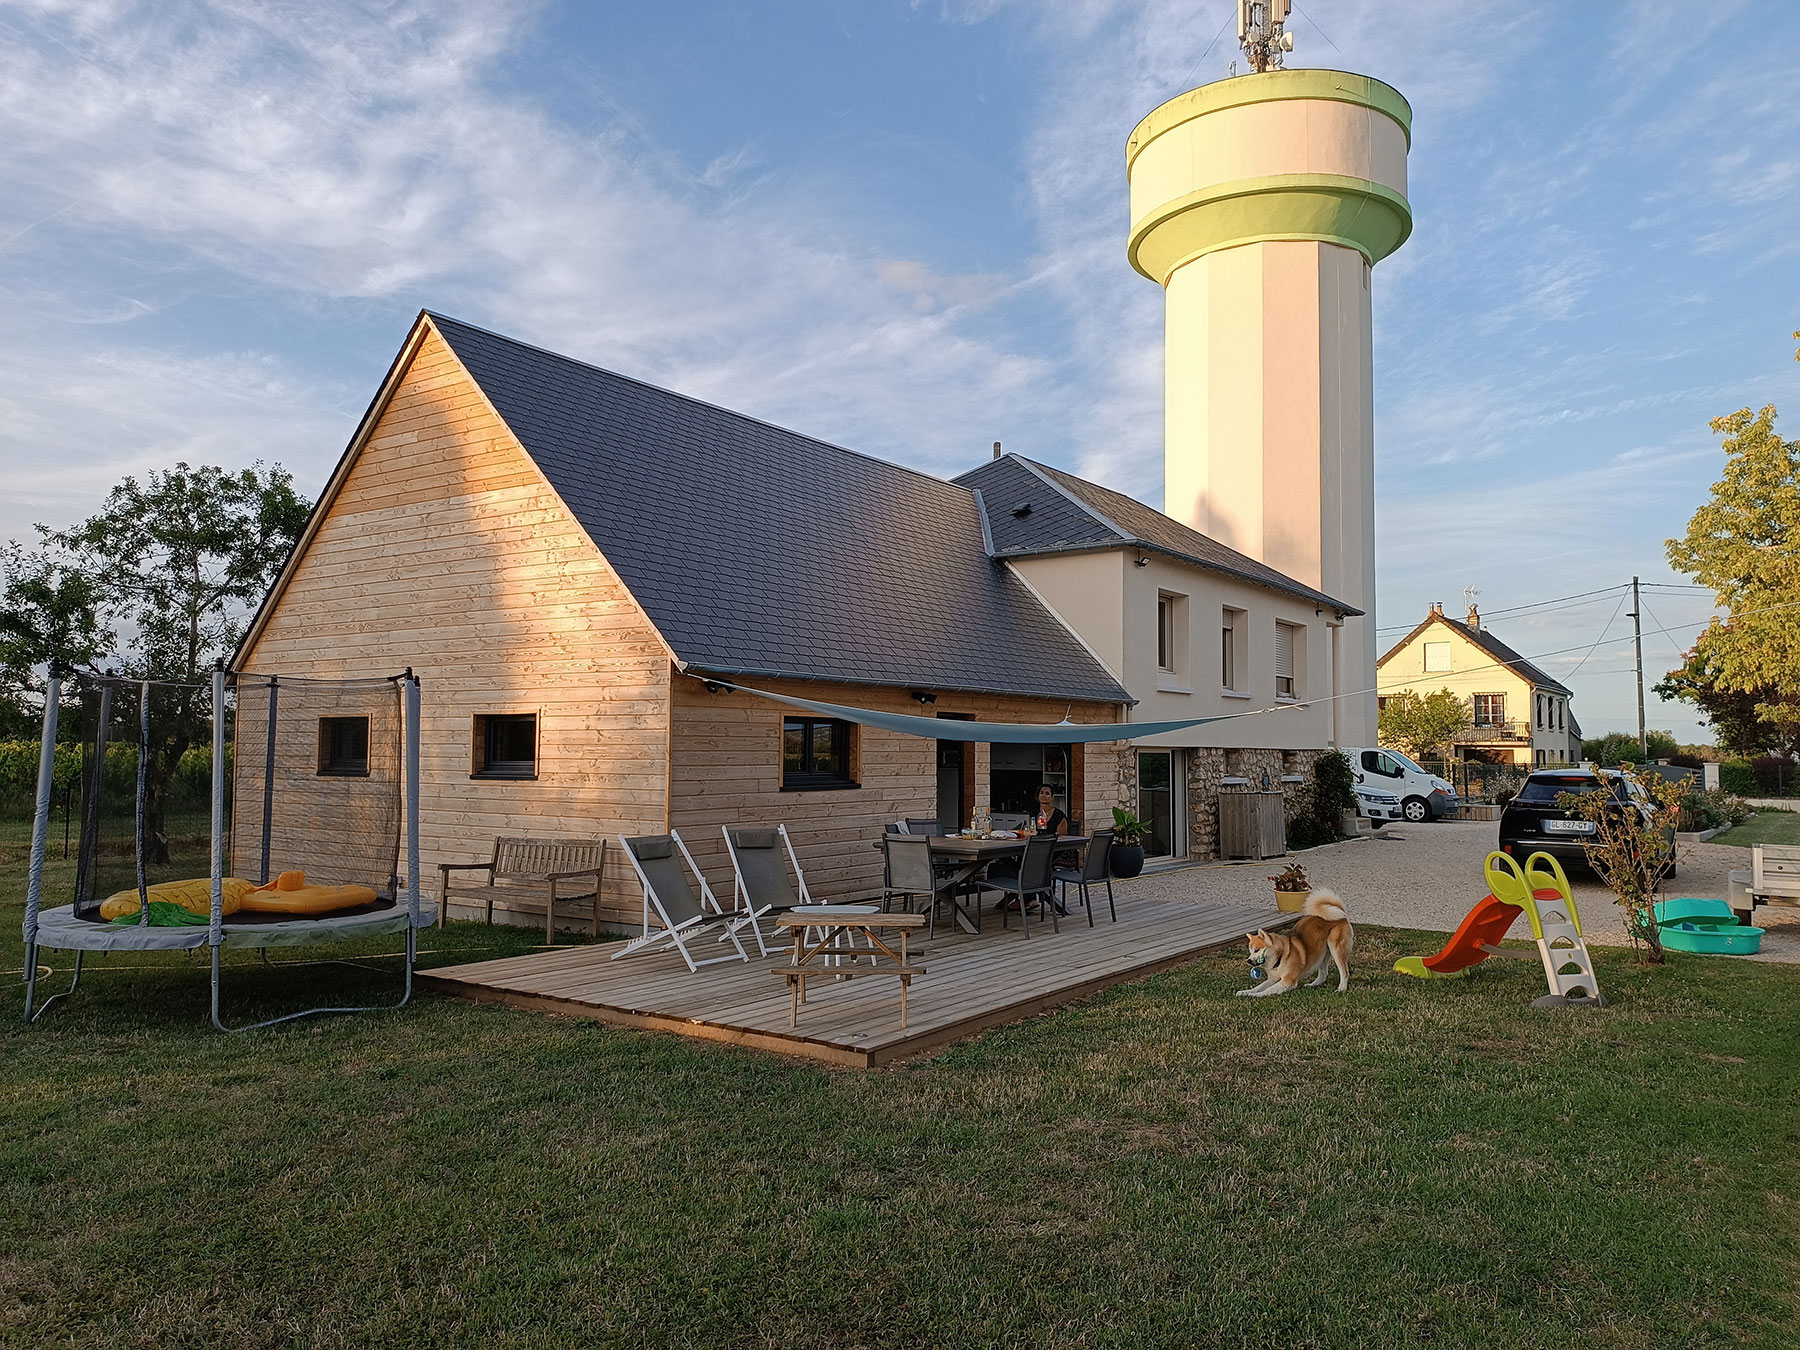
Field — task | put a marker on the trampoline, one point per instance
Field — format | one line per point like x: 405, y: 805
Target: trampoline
x: 309, y: 776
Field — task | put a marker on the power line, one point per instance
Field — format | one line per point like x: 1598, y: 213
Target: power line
x: 1602, y: 638
x: 1538, y: 605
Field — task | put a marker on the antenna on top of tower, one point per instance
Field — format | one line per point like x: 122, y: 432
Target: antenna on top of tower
x: 1260, y: 32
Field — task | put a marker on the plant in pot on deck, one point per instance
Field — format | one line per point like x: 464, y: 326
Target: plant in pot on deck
x: 1291, y: 888
x: 1127, y: 856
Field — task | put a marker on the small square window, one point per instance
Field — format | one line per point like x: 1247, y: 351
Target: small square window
x: 344, y: 747
x: 816, y: 754
x: 505, y: 745
x: 1437, y: 656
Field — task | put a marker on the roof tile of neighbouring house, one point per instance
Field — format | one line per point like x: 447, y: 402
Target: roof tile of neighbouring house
x: 759, y: 551
x: 1070, y: 514
x: 1493, y: 646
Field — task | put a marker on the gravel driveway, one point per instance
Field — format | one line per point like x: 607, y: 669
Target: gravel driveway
x: 1429, y: 876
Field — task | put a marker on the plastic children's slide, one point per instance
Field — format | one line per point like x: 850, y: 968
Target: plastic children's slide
x: 1482, y: 926
x: 1541, y: 892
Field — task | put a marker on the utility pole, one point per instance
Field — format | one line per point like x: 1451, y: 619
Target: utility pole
x: 1637, y: 636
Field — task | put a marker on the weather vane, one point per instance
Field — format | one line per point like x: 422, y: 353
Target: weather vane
x: 1260, y: 32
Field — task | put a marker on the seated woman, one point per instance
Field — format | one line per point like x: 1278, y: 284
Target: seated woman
x: 1050, y: 819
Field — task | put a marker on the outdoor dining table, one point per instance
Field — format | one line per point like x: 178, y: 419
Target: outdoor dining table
x: 972, y: 855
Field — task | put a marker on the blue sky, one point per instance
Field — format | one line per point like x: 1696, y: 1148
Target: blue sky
x: 901, y: 227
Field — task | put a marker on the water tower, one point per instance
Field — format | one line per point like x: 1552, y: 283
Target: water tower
x: 1260, y: 204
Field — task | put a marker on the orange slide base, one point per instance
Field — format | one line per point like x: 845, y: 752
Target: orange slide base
x: 1486, y: 923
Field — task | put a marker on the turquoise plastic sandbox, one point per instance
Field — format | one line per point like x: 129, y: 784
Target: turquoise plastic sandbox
x: 1706, y: 926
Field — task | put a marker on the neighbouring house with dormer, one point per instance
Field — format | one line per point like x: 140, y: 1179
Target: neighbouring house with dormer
x: 1521, y: 715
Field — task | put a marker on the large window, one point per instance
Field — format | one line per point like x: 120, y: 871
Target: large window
x: 504, y: 746
x: 344, y: 747
x: 816, y: 754
x: 1490, y: 710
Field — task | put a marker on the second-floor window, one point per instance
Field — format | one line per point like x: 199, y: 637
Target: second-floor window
x: 1437, y: 656
x: 1165, y: 632
x: 1490, y: 709
x: 1231, y: 643
x: 1286, y: 681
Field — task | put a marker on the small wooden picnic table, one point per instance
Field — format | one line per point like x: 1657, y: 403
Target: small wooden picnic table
x: 830, y: 928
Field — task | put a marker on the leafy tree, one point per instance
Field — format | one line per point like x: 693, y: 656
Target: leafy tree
x: 48, y: 613
x: 1744, y: 544
x: 169, y: 572
x: 1621, y: 747
x: 1424, y: 725
x: 1739, y: 727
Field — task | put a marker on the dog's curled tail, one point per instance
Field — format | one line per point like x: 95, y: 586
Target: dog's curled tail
x: 1325, y: 905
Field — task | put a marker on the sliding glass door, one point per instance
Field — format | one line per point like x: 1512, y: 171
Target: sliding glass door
x: 1159, y: 801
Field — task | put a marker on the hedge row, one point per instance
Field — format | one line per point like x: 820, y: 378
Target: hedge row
x: 118, y: 779
x: 1768, y: 776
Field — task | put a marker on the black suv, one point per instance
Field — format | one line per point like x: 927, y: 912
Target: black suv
x: 1532, y: 822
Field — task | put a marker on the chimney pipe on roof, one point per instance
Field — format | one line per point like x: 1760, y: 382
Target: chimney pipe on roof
x: 1474, y: 619
x: 996, y: 449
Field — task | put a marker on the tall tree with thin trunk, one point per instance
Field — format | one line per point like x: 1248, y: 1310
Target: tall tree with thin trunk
x: 173, y: 567
x: 1744, y: 544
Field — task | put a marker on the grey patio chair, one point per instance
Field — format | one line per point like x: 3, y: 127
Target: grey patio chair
x: 910, y: 873
x: 657, y: 860
x: 1033, y: 879
x: 1095, y: 868
x: 760, y: 883
x: 925, y: 827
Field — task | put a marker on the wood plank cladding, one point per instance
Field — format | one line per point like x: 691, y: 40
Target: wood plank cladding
x: 445, y: 550
x: 726, y: 770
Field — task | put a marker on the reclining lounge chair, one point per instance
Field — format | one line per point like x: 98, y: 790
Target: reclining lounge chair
x: 657, y: 859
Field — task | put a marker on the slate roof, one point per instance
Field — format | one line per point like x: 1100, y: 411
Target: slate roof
x: 1488, y: 643
x: 757, y: 551
x: 1070, y: 514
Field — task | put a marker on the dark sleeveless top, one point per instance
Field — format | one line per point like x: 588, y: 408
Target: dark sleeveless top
x: 1057, y: 817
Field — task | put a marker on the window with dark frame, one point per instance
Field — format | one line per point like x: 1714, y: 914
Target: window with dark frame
x: 1165, y: 633
x: 1490, y: 709
x: 344, y: 747
x: 505, y: 745
x: 815, y: 754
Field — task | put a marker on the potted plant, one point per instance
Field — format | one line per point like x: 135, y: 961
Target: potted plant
x: 1127, y: 856
x: 1291, y: 888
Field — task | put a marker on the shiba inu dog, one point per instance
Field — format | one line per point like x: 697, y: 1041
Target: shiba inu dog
x: 1321, y: 934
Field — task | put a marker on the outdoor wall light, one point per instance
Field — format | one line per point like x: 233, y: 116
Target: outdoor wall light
x: 923, y: 697
x: 1142, y: 561
x: 714, y: 687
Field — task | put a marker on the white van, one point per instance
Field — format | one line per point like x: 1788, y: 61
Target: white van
x: 1423, y: 796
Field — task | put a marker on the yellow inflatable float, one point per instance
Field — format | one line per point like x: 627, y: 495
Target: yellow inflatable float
x: 289, y: 894
x: 183, y: 902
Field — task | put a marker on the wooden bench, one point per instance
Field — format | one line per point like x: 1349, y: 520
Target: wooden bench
x: 528, y: 874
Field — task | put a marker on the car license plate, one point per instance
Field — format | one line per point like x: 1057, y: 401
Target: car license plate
x: 1568, y: 827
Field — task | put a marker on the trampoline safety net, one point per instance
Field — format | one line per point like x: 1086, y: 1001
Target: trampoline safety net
x: 145, y: 786
x: 316, y: 781
x: 313, y: 783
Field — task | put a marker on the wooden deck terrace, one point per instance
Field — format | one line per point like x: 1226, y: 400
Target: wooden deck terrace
x: 972, y: 982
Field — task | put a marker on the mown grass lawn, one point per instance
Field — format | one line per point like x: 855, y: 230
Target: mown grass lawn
x: 1765, y: 827
x: 1416, y: 1163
